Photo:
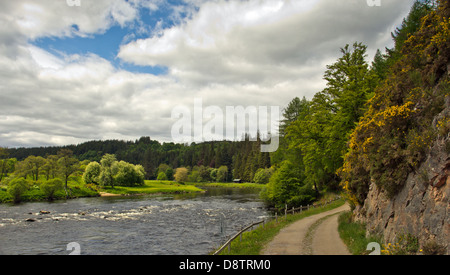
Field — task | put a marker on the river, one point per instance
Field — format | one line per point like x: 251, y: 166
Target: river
x: 191, y: 224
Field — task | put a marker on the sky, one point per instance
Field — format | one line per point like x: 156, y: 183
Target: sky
x: 116, y: 69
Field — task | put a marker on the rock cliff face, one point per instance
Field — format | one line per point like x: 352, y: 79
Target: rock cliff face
x: 422, y: 208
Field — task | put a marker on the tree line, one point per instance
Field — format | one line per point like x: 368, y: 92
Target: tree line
x: 54, y: 172
x: 372, y: 122
x: 359, y: 128
x: 243, y: 159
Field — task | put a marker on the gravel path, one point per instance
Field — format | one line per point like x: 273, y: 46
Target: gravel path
x: 316, y: 235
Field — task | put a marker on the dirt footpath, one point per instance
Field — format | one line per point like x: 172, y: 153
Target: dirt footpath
x: 317, y: 235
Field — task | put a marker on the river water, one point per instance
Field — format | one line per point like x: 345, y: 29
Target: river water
x: 193, y: 224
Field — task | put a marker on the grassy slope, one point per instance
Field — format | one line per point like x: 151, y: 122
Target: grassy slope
x: 230, y: 185
x: 154, y: 187
x: 354, y: 235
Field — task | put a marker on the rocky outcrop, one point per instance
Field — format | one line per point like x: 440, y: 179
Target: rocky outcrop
x: 422, y: 208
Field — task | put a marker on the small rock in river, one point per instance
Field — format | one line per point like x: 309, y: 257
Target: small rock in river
x: 42, y: 212
x: 30, y: 220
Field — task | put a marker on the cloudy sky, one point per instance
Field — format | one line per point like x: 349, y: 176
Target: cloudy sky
x: 115, y: 69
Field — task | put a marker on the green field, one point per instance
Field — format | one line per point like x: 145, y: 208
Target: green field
x: 153, y: 187
x: 229, y: 185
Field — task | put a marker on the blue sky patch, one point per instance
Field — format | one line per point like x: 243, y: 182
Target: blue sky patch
x: 107, y: 44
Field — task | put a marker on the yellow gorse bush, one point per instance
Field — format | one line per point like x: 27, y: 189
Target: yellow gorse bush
x: 393, y: 136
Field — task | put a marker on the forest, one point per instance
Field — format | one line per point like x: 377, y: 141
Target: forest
x: 242, y: 158
x: 373, y: 121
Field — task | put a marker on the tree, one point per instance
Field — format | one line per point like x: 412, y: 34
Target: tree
x: 3, y: 162
x: 262, y: 176
x: 292, y: 112
x: 16, y: 188
x: 205, y: 173
x: 50, y: 187
x: 169, y: 174
x: 139, y: 174
x: 33, y: 165
x: 127, y: 174
x: 106, y: 174
x: 162, y: 176
x: 162, y: 168
x: 92, y: 173
x: 397, y: 132
x: 68, y: 165
x: 7, y: 166
x: 222, y: 174
x: 321, y: 132
x: 181, y: 174
x: 213, y: 174
x: 194, y: 176
x: 51, y: 166
x: 380, y: 65
x: 285, y: 188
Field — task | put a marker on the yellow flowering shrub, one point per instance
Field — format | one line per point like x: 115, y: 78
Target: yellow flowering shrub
x: 396, y: 132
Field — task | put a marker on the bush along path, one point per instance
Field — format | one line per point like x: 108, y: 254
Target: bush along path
x: 314, y: 235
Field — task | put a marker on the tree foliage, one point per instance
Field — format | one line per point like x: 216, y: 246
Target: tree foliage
x: 16, y: 188
x: 317, y: 131
x: 395, y: 134
x: 92, y: 173
x: 114, y: 173
x: 181, y: 174
x: 50, y: 187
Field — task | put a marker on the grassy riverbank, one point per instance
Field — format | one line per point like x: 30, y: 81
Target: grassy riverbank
x: 154, y: 187
x: 254, y: 242
x: 79, y: 190
x: 35, y: 194
x: 229, y: 185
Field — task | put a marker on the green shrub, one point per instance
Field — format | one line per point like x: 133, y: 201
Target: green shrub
x: 162, y: 176
x: 285, y: 187
x: 51, y: 187
x: 262, y: 176
x: 17, y: 187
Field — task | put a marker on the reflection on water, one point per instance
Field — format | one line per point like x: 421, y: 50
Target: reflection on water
x: 151, y: 225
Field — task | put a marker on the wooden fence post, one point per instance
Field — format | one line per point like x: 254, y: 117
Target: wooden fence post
x: 285, y: 212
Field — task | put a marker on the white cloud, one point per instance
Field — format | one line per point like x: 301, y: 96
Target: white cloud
x: 263, y: 41
x: 229, y: 53
x: 36, y: 19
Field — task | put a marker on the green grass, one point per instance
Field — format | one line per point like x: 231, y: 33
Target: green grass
x: 153, y: 187
x: 35, y: 194
x: 229, y: 185
x: 79, y: 189
x: 354, y: 235
x: 253, y: 242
